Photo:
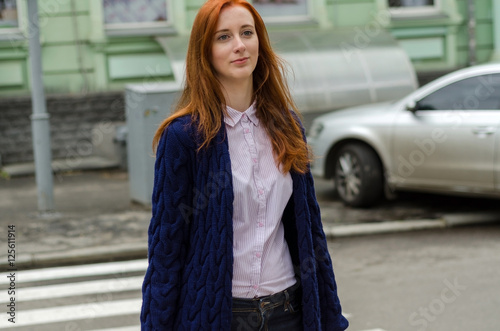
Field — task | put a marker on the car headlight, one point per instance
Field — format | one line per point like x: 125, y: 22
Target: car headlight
x: 315, y: 130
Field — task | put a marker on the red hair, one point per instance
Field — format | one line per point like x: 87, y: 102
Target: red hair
x: 203, y: 100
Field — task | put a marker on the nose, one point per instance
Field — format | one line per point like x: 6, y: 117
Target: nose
x: 239, y: 45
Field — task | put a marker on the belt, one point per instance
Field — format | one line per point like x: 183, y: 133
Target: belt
x: 277, y: 299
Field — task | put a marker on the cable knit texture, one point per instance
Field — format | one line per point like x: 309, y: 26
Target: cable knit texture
x: 187, y: 285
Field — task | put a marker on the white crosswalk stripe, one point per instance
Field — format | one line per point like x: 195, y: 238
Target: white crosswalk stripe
x: 97, y: 269
x: 349, y: 316
x: 95, y: 297
x: 131, y: 328
x: 76, y: 312
x: 83, y: 288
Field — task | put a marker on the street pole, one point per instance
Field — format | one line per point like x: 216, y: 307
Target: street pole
x: 496, y: 31
x: 471, y: 9
x: 39, y: 118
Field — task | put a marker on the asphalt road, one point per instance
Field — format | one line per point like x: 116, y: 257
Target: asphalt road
x: 444, y: 280
x: 427, y: 280
x: 406, y: 206
x: 93, y: 193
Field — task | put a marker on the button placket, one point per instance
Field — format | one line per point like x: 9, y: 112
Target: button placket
x: 260, y: 233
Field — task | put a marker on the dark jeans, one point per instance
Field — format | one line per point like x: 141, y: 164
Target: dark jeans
x: 280, y: 311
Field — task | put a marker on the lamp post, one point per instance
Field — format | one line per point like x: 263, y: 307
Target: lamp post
x: 39, y: 118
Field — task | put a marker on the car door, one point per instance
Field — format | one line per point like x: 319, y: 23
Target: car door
x: 447, y: 142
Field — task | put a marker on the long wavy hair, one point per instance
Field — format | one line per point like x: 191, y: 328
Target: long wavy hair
x: 203, y: 100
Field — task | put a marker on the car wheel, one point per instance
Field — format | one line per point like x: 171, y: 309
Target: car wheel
x: 358, y: 175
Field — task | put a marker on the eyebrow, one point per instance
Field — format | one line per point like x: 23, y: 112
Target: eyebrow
x: 242, y: 27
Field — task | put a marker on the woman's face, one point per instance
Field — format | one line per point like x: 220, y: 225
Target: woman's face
x: 235, y: 46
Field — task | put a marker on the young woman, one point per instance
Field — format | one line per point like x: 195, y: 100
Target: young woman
x: 235, y: 240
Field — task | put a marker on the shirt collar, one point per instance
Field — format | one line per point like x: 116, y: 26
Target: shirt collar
x: 233, y: 116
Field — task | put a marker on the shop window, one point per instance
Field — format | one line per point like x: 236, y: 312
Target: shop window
x: 8, y: 14
x: 282, y: 10
x: 135, y: 14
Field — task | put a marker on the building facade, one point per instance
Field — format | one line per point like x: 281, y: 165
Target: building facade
x: 101, y: 45
x: 94, y: 48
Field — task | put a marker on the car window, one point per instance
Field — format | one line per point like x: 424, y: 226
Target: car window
x: 474, y: 93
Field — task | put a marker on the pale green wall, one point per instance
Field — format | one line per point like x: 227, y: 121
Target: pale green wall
x: 13, y: 62
x: 347, y: 13
x: 78, y: 55
x: 66, y: 56
x: 496, y: 31
x: 13, y: 70
x: 483, y: 35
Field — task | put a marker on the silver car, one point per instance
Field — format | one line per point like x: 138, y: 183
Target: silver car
x: 443, y: 138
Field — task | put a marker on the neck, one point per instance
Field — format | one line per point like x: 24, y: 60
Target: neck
x: 238, y: 96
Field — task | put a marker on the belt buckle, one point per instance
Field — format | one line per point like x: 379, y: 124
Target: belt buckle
x: 264, y: 302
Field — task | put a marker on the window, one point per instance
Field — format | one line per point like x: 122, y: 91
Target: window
x: 135, y: 14
x: 475, y: 93
x: 282, y: 10
x: 411, y: 3
x: 8, y: 14
x: 413, y: 7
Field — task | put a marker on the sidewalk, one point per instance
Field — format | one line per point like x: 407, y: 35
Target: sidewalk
x: 95, y: 221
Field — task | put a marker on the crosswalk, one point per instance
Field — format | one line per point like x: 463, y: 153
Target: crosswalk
x: 93, y: 297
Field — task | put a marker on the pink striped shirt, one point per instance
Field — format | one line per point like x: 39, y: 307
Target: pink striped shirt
x: 262, y: 262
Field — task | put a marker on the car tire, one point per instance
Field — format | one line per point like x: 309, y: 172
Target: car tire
x: 358, y: 175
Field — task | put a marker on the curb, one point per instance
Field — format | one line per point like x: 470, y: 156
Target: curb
x: 139, y: 250
x: 382, y: 227
x: 447, y: 221
x: 61, y: 165
x: 80, y: 256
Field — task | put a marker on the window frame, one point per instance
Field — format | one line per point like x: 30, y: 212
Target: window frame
x: 14, y: 30
x: 420, y: 11
x: 140, y: 28
x: 308, y: 17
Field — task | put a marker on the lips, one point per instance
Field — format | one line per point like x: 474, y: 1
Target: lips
x: 240, y: 60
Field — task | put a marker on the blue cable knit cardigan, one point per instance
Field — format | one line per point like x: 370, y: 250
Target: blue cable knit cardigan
x: 187, y: 285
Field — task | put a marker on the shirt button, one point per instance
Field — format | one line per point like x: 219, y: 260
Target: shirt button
x: 255, y: 287
x: 261, y: 224
x: 247, y: 130
x: 258, y: 254
x: 244, y: 118
x: 261, y: 192
x: 254, y: 160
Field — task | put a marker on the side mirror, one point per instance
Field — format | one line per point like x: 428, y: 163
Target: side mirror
x: 411, y: 106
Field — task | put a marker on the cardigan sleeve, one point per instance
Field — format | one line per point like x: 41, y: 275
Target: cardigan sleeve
x: 331, y: 310
x: 168, y: 229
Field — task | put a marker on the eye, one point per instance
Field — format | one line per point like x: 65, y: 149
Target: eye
x: 248, y: 33
x: 223, y: 37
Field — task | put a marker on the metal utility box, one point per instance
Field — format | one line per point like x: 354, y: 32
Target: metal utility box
x: 146, y: 106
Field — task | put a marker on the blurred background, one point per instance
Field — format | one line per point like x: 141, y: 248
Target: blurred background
x: 84, y: 85
x: 342, y: 53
